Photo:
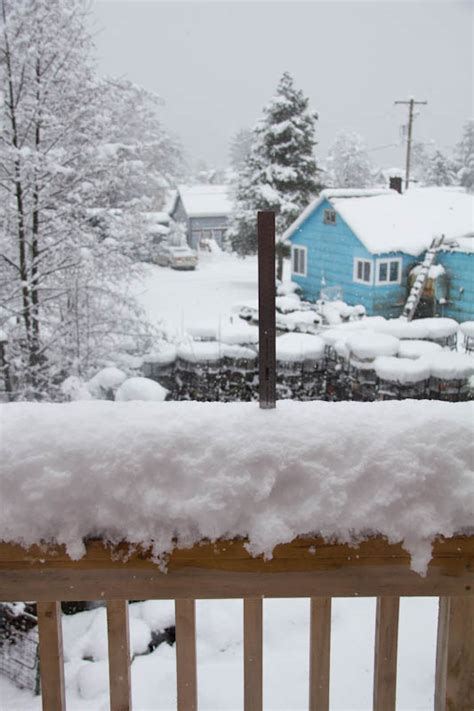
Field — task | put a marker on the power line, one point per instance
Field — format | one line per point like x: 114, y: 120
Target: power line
x: 411, y: 104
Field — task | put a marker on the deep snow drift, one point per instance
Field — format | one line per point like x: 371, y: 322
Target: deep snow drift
x: 143, y: 471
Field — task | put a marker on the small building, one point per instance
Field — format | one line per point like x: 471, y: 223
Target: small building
x: 205, y: 211
x: 364, y: 246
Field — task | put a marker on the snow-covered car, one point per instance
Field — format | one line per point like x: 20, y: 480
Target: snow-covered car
x: 176, y: 257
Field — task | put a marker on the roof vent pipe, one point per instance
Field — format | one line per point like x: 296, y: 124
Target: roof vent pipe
x: 396, y: 184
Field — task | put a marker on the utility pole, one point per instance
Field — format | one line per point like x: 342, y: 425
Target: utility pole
x: 411, y: 103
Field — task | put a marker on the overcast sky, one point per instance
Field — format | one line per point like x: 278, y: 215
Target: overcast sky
x: 216, y: 64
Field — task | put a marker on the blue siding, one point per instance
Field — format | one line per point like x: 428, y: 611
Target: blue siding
x: 460, y: 272
x: 331, y: 250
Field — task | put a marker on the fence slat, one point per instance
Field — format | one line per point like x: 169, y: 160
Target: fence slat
x: 186, y: 675
x: 386, y: 641
x: 51, y: 656
x: 319, y: 653
x: 119, y: 655
x: 253, y: 657
x: 441, y: 654
x: 455, y: 655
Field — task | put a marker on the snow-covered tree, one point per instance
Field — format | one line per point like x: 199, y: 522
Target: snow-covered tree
x: 61, y: 296
x: 137, y: 161
x: 464, y: 154
x: 420, y: 162
x: 348, y: 164
x: 441, y: 170
x: 240, y: 147
x: 280, y: 170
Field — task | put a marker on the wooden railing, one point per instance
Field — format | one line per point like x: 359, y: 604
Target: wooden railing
x: 304, y: 568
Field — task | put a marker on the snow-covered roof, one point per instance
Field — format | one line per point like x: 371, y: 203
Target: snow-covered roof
x: 205, y: 200
x: 386, y: 221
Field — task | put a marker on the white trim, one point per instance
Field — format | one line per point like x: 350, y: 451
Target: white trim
x: 388, y: 262
x: 363, y: 260
x: 294, y: 247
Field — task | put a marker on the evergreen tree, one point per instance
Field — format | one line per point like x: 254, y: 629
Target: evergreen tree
x: 280, y: 170
x: 348, y: 164
x: 420, y: 162
x: 465, y: 157
x: 240, y: 147
x: 441, y: 170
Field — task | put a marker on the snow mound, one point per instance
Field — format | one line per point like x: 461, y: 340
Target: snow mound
x: 299, y: 347
x: 287, y: 287
x: 141, y: 389
x: 402, y: 370
x: 73, y: 388
x: 417, y: 349
x: 164, y: 356
x: 467, y: 328
x: 290, y: 302
x: 106, y: 379
x: 200, y: 352
x: 441, y: 327
x: 403, y: 329
x: 338, y: 469
x: 238, y: 333
x: 237, y: 352
x: 451, y: 365
x: 370, y: 345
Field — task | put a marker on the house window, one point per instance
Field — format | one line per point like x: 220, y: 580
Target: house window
x: 363, y: 271
x: 298, y: 260
x: 329, y: 217
x: 389, y: 271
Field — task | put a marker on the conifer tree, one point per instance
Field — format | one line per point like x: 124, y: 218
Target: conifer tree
x: 465, y: 157
x: 441, y: 170
x: 348, y: 164
x: 280, y: 171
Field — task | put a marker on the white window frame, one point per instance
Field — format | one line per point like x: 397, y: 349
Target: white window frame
x: 329, y: 211
x: 388, y: 262
x: 295, y: 247
x: 361, y: 260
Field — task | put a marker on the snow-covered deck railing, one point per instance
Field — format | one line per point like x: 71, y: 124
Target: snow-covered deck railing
x: 305, y: 567
x: 208, y: 500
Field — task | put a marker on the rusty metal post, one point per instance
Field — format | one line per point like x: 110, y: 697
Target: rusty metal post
x: 266, y: 308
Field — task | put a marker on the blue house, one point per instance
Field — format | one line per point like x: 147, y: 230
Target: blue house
x: 364, y: 247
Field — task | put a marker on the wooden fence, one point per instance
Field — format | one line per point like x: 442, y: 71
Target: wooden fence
x: 307, y: 567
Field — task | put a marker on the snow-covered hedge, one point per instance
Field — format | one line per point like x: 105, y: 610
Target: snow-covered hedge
x: 147, y: 472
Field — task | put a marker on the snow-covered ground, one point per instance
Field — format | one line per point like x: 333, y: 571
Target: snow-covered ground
x: 182, y: 299
x: 219, y: 653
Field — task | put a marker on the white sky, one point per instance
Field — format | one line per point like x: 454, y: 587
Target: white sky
x: 217, y: 63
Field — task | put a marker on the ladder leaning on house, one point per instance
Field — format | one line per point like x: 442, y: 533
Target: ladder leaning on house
x: 417, y: 289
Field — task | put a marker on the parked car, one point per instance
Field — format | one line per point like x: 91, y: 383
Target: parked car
x: 176, y: 257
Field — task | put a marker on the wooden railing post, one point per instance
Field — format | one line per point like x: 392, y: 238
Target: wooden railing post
x: 119, y: 655
x: 266, y: 309
x: 186, y: 673
x: 253, y: 654
x: 51, y: 656
x: 319, y: 653
x: 455, y: 655
x: 386, y: 644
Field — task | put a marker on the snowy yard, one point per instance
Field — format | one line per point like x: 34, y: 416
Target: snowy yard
x: 181, y: 299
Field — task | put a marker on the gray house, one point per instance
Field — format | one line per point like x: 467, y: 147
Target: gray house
x: 204, y: 210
